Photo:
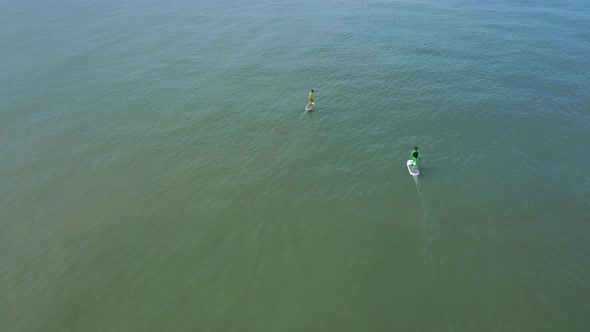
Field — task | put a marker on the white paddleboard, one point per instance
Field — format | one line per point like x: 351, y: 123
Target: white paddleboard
x: 412, y: 170
x: 310, y: 107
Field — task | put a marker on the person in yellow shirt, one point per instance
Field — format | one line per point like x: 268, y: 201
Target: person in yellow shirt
x: 311, y: 97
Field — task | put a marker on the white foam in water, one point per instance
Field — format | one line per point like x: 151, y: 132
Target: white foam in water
x: 424, y: 207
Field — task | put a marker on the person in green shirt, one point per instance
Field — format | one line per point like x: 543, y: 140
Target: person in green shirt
x: 415, y: 154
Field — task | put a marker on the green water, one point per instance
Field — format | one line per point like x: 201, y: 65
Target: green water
x: 158, y: 172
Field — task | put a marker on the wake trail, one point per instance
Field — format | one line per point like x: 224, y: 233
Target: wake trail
x: 422, y: 201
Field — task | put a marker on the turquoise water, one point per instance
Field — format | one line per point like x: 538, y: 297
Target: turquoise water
x: 158, y: 172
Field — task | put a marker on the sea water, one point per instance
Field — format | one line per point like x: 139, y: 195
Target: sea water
x: 157, y: 172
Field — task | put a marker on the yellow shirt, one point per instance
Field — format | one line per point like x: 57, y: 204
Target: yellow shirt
x: 310, y: 97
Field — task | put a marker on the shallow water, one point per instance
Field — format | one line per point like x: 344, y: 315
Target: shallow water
x: 158, y: 171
